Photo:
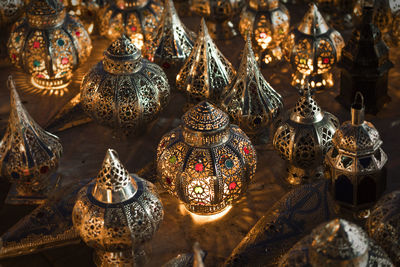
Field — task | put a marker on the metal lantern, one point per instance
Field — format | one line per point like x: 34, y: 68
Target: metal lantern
x: 219, y: 14
x: 116, y: 213
x: 84, y: 10
x: 29, y: 156
x: 336, y: 243
x: 268, y: 22
x: 172, y: 43
x: 250, y: 101
x: 383, y: 225
x: 313, y: 48
x: 137, y: 19
x: 206, y: 71
x: 304, y: 138
x: 124, y: 91
x: 356, y: 162
x: 206, y: 162
x: 49, y: 44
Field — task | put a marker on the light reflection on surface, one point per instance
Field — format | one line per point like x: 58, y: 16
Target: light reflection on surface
x: 202, y: 219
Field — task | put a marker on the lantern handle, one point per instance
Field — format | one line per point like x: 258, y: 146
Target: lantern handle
x: 357, y: 109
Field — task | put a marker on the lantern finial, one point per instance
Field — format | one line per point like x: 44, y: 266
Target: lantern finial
x: 357, y: 109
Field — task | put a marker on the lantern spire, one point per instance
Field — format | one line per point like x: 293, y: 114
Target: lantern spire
x: 313, y: 23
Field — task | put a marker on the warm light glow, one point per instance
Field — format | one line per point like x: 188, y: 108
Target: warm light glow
x: 202, y: 219
x: 55, y: 87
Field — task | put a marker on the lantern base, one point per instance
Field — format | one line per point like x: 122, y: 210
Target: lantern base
x: 317, y: 82
x: 207, y: 209
x: 297, y: 176
x: 126, y: 258
x: 51, y: 84
x: 14, y: 197
x: 221, y: 30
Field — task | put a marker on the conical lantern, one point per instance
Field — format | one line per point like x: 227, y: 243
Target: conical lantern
x: 137, y: 19
x: 206, y: 162
x: 29, y: 156
x: 116, y: 213
x: 336, y: 243
x: 49, y: 44
x: 206, y: 72
x: 124, y: 91
x: 304, y: 138
x: 172, y: 43
x: 313, y: 48
x: 250, y: 101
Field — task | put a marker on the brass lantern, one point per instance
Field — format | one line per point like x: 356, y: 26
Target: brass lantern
x: 124, y: 91
x: 219, y: 14
x: 137, y: 19
x: 49, y: 44
x: 250, y: 100
x: 206, y: 162
x: 268, y: 22
x: 313, y: 48
x: 116, y: 213
x: 304, y: 138
x: 206, y: 71
x: 336, y: 243
x: 356, y: 162
x: 29, y: 156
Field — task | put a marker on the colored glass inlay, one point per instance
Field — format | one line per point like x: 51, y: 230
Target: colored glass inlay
x: 199, y: 167
x: 36, y: 44
x: 232, y: 186
x: 60, y: 42
x: 198, y: 190
x: 326, y: 60
x: 172, y: 159
x: 246, y: 150
x: 36, y: 63
x: 64, y: 61
x: 228, y: 163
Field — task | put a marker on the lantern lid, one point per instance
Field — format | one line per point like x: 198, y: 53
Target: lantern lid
x: 45, y: 13
x: 264, y: 4
x: 306, y: 110
x: 122, y: 57
x: 113, y: 183
x: 313, y: 23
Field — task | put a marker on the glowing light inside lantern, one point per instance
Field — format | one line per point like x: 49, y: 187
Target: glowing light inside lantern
x: 202, y: 219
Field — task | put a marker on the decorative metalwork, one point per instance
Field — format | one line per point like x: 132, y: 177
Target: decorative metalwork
x: 124, y: 91
x: 28, y: 156
x: 268, y: 22
x: 172, y: 43
x: 206, y: 72
x: 383, y: 225
x: 313, y: 48
x: 336, y: 243
x: 250, y: 101
x: 116, y: 213
x: 219, y: 14
x: 304, y: 138
x: 356, y: 162
x: 49, y: 44
x: 137, y: 19
x: 207, y: 163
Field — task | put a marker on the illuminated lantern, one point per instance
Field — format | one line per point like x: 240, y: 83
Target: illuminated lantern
x: 268, y: 22
x: 84, y: 10
x: 313, y: 48
x: 206, y: 162
x: 219, y: 14
x: 29, y: 156
x: 49, y: 44
x: 116, y: 213
x: 137, y: 19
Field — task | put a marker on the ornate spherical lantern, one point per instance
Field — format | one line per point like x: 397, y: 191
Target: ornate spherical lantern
x: 313, y: 48
x: 172, y: 43
x: 116, y: 213
x: 137, y: 19
x: 383, y: 225
x: 206, y: 71
x: 304, y: 138
x: 29, y: 156
x: 124, y: 91
x: 219, y: 14
x: 268, y: 22
x: 250, y: 101
x: 336, y: 243
x: 356, y: 162
x: 49, y: 44
x: 206, y: 162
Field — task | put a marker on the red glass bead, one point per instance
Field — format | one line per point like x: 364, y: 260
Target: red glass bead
x: 326, y: 60
x: 263, y: 35
x: 40, y: 76
x: 78, y: 33
x: 36, y: 44
x: 232, y: 186
x: 199, y: 167
x: 133, y: 28
x: 14, y: 57
x: 64, y: 61
x: 246, y: 150
x: 168, y: 180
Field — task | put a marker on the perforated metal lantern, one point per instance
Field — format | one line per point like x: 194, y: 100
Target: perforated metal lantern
x: 218, y: 14
x: 304, y: 138
x: 85, y: 10
x: 124, y: 91
x: 268, y: 22
x: 336, y: 243
x: 29, y: 156
x: 356, y: 162
x: 313, y: 48
x: 137, y: 19
x: 206, y: 162
x: 49, y: 44
x: 250, y: 100
x: 206, y: 72
x: 116, y: 214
